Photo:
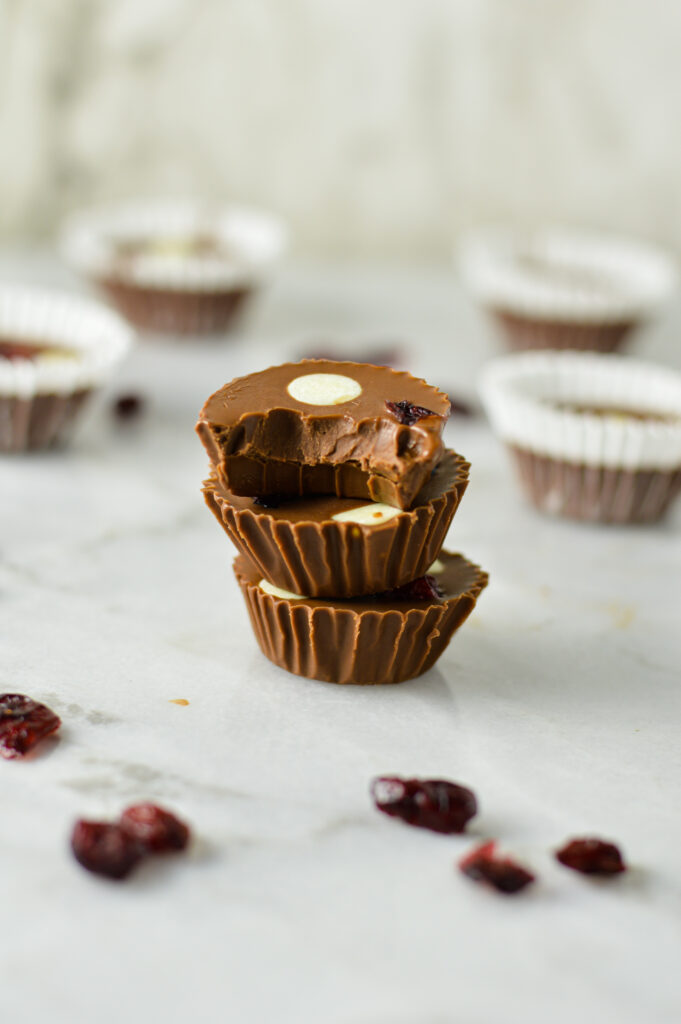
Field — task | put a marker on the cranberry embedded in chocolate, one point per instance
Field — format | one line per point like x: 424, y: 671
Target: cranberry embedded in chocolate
x: 426, y: 803
x: 23, y: 723
x: 407, y: 413
x: 268, y: 501
x: 105, y: 849
x: 592, y: 857
x: 425, y: 588
x: 154, y: 829
x: 502, y: 873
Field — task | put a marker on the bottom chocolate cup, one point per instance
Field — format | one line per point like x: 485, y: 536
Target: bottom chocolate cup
x: 523, y: 332
x: 298, y: 545
x: 598, y: 494
x: 39, y: 421
x: 376, y: 639
x: 177, y: 311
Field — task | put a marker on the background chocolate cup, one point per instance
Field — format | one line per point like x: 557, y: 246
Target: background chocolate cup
x: 328, y: 558
x: 599, y: 494
x: 38, y: 422
x: 522, y: 333
x: 168, y: 311
x: 364, y: 642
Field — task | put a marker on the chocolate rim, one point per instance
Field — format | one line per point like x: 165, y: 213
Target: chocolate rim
x: 342, y: 559
x: 599, y: 494
x: 40, y: 421
x: 336, y: 644
x: 174, y: 311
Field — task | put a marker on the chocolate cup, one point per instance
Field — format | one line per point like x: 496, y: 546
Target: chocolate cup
x: 299, y: 547
x: 263, y: 441
x: 365, y: 641
x: 523, y: 332
x: 598, y: 494
x: 38, y: 422
x: 177, y: 311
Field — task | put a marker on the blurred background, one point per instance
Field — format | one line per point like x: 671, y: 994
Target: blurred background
x: 376, y: 129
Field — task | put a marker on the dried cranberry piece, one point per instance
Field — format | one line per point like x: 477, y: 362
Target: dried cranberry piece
x: 105, y: 849
x: 407, y: 413
x: 592, y: 857
x: 129, y: 406
x: 482, y: 865
x: 425, y: 588
x: 154, y: 829
x: 20, y: 349
x: 427, y: 803
x: 269, y: 500
x: 23, y: 723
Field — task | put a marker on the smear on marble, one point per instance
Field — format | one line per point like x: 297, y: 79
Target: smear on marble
x: 621, y: 615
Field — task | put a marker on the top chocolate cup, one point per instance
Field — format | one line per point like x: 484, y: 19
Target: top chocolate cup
x: 325, y: 427
x: 175, y: 266
x: 564, y: 289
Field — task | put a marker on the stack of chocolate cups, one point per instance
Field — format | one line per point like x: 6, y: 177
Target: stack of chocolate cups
x: 332, y: 481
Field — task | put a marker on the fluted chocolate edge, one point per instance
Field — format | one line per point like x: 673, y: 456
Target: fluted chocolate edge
x: 342, y: 645
x: 599, y: 494
x: 38, y: 421
x: 337, y: 559
x: 177, y: 311
x: 524, y: 332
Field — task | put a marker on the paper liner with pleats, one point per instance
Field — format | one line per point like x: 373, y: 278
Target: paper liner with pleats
x: 176, y: 292
x: 596, y: 493
x: 554, y: 288
x: 40, y: 397
x: 366, y: 642
x: 344, y: 559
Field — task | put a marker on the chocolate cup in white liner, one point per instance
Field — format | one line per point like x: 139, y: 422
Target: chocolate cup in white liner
x: 593, y: 437
x: 140, y: 255
x: 80, y: 341
x: 564, y: 289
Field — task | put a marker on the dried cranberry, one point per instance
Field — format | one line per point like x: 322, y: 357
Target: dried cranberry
x: 268, y: 500
x: 427, y: 803
x: 155, y: 830
x: 128, y: 407
x: 105, y: 849
x: 592, y: 857
x: 482, y: 865
x: 407, y: 413
x: 425, y: 588
x: 23, y: 723
x: 20, y: 349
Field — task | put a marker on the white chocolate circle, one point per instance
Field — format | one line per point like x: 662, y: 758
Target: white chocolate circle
x: 285, y: 595
x: 368, y: 515
x: 324, y: 389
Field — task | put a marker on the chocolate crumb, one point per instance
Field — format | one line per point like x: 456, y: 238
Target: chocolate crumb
x: 128, y: 406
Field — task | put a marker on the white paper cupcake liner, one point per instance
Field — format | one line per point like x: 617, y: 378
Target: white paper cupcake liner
x: 565, y: 276
x: 522, y: 395
x: 39, y: 397
x: 90, y: 240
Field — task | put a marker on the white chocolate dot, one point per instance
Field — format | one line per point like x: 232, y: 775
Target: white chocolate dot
x: 285, y: 595
x: 324, y: 389
x: 368, y: 515
x: 436, y: 567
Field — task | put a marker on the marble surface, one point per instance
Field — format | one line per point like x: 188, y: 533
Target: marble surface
x: 558, y: 702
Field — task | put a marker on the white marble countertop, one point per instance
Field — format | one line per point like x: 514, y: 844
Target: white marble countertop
x: 558, y: 702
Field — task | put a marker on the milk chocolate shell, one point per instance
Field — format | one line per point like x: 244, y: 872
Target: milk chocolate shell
x: 321, y: 426
x: 525, y: 332
x: 299, y: 546
x: 375, y: 639
x: 597, y: 494
x: 176, y: 311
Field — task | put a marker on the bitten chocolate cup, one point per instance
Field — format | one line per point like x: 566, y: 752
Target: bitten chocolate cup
x: 338, y: 547
x: 372, y: 640
x: 325, y: 427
